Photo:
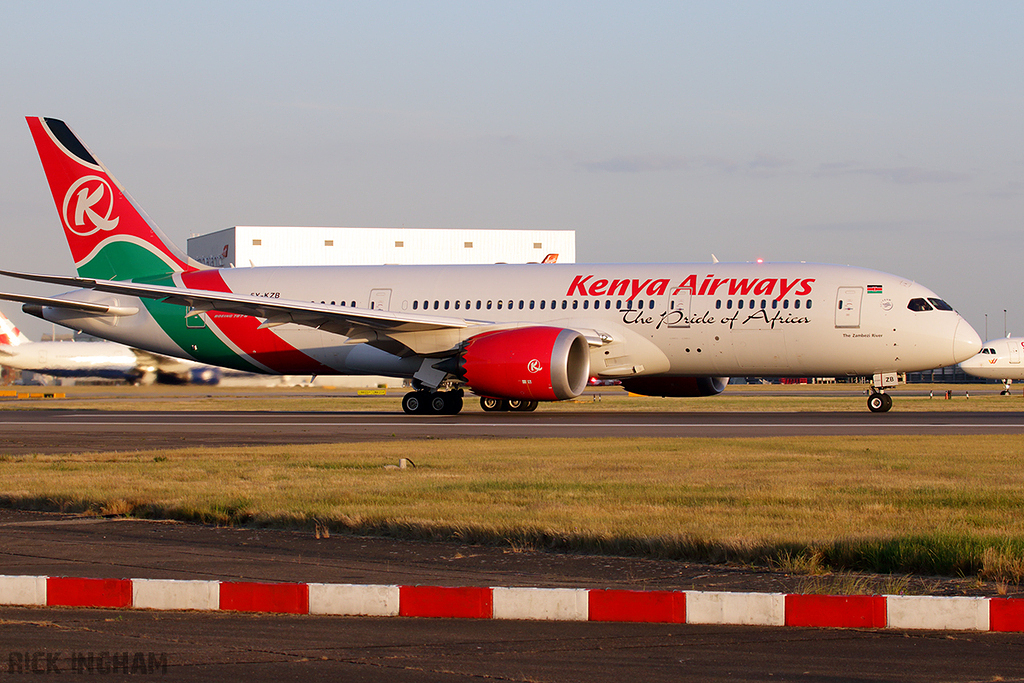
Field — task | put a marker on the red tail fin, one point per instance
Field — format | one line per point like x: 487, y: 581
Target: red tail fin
x: 109, y: 236
x: 11, y: 335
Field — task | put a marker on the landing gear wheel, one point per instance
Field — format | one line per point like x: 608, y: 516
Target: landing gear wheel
x: 490, y: 405
x: 439, y: 404
x: 414, y: 403
x: 514, y: 404
x: 879, y: 402
x: 529, y: 406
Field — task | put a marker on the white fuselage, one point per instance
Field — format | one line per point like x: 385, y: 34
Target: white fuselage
x: 72, y: 359
x: 658, y: 319
x: 998, y: 359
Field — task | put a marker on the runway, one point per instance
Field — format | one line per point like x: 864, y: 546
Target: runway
x: 58, y: 431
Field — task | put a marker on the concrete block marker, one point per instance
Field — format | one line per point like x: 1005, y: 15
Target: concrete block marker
x: 353, y: 600
x: 749, y: 609
x: 547, y: 604
x: 443, y: 602
x: 836, y: 611
x: 22, y: 590
x: 939, y: 613
x: 62, y: 591
x: 171, y: 594
x: 1006, y: 614
x: 284, y: 598
x: 666, y: 607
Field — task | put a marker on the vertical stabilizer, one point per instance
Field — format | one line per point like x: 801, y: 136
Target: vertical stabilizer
x: 109, y: 236
x: 11, y: 335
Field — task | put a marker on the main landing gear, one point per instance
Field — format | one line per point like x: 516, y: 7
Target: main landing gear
x: 433, y: 402
x: 492, y: 405
x: 879, y: 402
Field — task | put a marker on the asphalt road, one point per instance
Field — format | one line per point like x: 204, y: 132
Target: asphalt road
x: 58, y: 431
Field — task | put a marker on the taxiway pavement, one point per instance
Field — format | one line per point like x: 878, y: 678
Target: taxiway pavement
x: 60, y: 431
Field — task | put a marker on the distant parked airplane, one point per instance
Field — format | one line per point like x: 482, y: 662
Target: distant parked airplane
x: 513, y: 334
x: 998, y: 359
x: 103, y: 359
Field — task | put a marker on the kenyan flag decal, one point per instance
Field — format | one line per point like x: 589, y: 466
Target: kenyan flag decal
x: 874, y: 289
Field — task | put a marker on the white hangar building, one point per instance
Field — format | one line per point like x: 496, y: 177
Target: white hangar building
x: 247, y: 245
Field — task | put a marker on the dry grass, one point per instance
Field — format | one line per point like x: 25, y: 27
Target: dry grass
x: 939, y: 505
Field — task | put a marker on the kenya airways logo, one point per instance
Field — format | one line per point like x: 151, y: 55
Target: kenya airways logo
x: 534, y: 366
x: 88, y: 205
x: 778, y: 288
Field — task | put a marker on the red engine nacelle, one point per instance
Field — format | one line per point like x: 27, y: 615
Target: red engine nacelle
x: 676, y: 386
x: 531, y: 363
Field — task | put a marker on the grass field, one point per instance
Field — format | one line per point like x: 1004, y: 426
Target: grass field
x: 927, y: 505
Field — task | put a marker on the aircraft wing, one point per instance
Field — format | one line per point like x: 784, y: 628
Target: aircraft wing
x: 344, y: 320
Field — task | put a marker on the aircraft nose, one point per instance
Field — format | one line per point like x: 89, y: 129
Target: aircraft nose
x: 966, y: 342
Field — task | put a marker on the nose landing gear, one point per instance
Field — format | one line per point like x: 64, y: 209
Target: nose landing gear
x: 879, y: 402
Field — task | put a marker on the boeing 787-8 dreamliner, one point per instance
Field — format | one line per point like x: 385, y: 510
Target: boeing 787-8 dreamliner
x: 514, y: 335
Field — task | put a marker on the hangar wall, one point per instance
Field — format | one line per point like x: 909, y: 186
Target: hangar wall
x: 245, y: 245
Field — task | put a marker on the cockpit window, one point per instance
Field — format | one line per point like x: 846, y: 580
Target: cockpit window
x: 919, y: 305
x: 940, y: 304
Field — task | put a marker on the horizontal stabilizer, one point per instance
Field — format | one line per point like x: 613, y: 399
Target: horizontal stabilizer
x: 83, y: 306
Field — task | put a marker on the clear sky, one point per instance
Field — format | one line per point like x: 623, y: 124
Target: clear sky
x: 888, y: 134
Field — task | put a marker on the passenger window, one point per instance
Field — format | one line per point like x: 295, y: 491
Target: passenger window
x: 488, y: 305
x: 456, y: 304
x: 499, y: 304
x: 564, y: 304
x: 575, y: 304
x: 919, y: 305
x: 796, y: 303
x: 751, y: 303
x: 764, y: 303
x: 940, y: 304
x: 808, y: 304
x: 618, y: 304
x: 586, y: 304
x: 775, y: 303
x: 785, y: 304
x: 446, y: 305
x: 728, y: 303
x: 436, y: 305
x: 608, y: 304
x: 718, y: 303
x: 542, y: 302
x: 415, y: 305
x: 739, y: 304
x: 531, y: 305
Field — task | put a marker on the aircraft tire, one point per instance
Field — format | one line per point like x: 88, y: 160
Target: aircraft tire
x: 514, y: 404
x: 529, y: 406
x: 491, y: 405
x: 414, y: 403
x: 879, y: 402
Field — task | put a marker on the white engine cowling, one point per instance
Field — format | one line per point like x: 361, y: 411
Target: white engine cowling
x: 531, y: 363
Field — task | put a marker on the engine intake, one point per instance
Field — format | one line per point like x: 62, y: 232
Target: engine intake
x: 532, y: 363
